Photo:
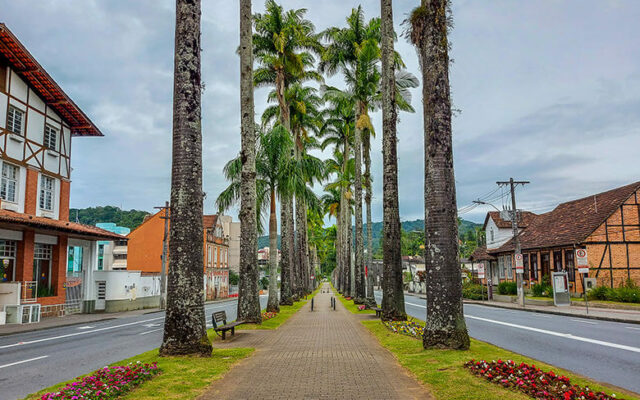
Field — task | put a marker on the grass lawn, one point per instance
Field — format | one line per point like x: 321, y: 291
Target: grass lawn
x: 349, y: 305
x: 181, y: 378
x: 283, y: 315
x: 607, y: 302
x: 444, y: 373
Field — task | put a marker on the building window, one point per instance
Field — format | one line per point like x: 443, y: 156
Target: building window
x: 100, y: 257
x: 9, y: 186
x: 7, y: 260
x: 492, y: 235
x: 15, y: 120
x: 50, y: 137
x: 42, y: 269
x: 209, y: 255
x: 501, y: 267
x: 534, y: 266
x: 507, y: 262
x: 557, y: 260
x: 47, y: 189
x: 569, y: 265
x: 525, y: 264
x: 545, y: 264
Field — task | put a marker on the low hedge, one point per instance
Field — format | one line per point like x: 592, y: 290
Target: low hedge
x: 473, y: 291
x: 507, y: 288
x: 628, y: 293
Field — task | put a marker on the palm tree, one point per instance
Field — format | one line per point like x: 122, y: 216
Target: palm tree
x: 273, y: 167
x: 248, y: 294
x: 445, y: 326
x: 393, y: 295
x: 284, y: 42
x: 185, y: 323
x: 338, y: 131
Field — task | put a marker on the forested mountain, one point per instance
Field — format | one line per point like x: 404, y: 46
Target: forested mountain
x: 408, y: 226
x: 92, y: 215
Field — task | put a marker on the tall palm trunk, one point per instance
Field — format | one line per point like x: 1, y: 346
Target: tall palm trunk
x: 359, y: 283
x: 301, y: 253
x: 272, y: 302
x: 291, y: 239
x: 393, y: 295
x: 285, y: 259
x: 185, y: 323
x: 344, y: 224
x: 248, y: 295
x: 366, y: 150
x: 445, y: 326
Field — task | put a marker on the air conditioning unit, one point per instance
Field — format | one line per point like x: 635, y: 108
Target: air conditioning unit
x: 590, y: 283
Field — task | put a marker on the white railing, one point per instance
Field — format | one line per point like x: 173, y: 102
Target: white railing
x: 29, y: 292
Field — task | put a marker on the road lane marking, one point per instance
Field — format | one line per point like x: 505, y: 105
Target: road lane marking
x: 22, y: 362
x: 563, y: 335
x: 583, y: 321
x: 85, y: 327
x: 417, y: 305
x: 631, y: 327
x: 78, y: 333
x: 151, y: 331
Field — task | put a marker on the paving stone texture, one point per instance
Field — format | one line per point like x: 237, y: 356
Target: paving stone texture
x: 323, y: 354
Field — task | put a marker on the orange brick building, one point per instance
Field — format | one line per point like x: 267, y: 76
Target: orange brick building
x: 37, y: 122
x: 145, y: 252
x: 606, y: 224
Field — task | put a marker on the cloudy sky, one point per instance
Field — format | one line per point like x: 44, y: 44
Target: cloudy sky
x: 549, y: 91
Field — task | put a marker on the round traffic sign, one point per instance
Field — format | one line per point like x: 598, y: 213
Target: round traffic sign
x: 581, y: 253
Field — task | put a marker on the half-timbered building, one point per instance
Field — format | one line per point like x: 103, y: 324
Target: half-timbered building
x: 37, y: 123
x: 606, y: 224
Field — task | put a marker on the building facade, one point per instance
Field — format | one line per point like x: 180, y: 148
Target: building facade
x: 606, y: 225
x: 112, y: 255
x: 145, y: 244
x: 37, y: 123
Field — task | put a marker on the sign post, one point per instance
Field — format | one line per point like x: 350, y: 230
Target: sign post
x: 520, y: 270
x: 583, y: 268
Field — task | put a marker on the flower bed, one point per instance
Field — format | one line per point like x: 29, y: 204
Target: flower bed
x: 409, y: 328
x: 361, y: 307
x: 533, y: 381
x: 106, y: 383
x: 268, y: 315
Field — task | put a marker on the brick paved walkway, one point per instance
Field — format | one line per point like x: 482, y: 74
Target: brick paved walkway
x: 322, y: 354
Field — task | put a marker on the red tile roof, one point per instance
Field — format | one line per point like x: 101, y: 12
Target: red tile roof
x: 31, y: 71
x: 209, y: 221
x: 71, y: 228
x: 480, y: 254
x: 525, y: 219
x: 572, y: 222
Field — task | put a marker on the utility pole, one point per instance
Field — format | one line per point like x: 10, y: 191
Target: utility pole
x: 516, y: 240
x: 165, y: 245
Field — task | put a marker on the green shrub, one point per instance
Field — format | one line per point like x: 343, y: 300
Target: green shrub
x: 541, y: 290
x: 629, y: 293
x: 474, y: 291
x: 507, y: 288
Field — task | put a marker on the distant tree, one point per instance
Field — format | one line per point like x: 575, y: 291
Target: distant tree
x: 90, y: 216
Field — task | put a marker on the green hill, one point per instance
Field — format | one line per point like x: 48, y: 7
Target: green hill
x: 92, y: 215
x: 376, y: 231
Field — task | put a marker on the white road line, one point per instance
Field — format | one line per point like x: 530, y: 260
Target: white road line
x: 417, y: 305
x: 22, y: 362
x: 77, y: 333
x: 151, y: 331
x: 631, y: 327
x: 85, y: 327
x: 583, y: 321
x: 563, y: 335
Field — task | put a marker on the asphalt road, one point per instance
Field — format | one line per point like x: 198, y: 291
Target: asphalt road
x: 35, y: 360
x: 601, y: 350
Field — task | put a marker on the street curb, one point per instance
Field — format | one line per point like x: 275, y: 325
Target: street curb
x: 41, y: 328
x: 565, y: 314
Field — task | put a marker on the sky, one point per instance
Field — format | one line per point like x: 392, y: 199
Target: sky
x: 547, y: 91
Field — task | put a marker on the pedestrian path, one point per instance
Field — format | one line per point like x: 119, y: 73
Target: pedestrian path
x: 323, y: 354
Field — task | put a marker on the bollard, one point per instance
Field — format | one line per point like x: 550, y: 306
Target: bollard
x: 311, y: 304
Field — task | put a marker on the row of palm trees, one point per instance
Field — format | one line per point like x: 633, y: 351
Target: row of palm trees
x: 281, y: 50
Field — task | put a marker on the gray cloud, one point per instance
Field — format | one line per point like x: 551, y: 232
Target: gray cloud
x: 548, y: 92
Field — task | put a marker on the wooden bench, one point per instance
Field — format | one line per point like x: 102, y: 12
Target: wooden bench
x: 221, y: 316
x: 377, y: 310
